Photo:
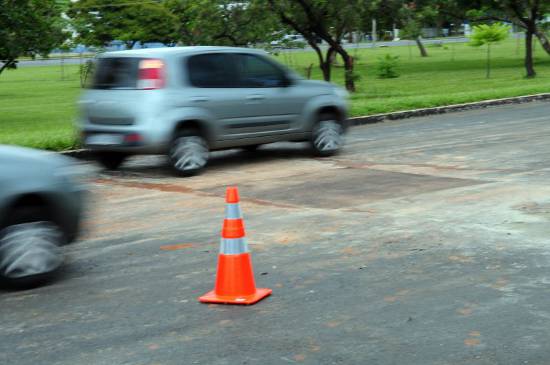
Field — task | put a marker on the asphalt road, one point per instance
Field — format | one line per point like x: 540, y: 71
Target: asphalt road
x: 425, y: 242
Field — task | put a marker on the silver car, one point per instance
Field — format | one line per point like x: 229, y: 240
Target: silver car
x: 41, y: 202
x: 187, y: 101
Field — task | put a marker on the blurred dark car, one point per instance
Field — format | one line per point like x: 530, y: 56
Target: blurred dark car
x: 41, y: 204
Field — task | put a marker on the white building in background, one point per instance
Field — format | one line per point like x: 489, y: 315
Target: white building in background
x: 467, y: 29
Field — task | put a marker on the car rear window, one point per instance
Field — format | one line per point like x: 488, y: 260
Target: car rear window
x: 116, y: 73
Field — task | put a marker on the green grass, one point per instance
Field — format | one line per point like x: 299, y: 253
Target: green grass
x: 436, y: 80
x: 56, y: 56
x: 38, y: 109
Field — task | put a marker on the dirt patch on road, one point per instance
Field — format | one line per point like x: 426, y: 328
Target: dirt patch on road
x: 352, y: 188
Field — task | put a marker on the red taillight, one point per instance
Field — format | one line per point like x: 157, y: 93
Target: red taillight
x: 133, y: 138
x: 151, y: 74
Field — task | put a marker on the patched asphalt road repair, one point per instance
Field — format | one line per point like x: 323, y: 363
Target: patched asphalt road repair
x: 427, y: 241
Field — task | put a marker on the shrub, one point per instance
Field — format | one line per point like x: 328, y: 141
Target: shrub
x: 387, y: 67
x: 488, y: 34
x: 86, y: 70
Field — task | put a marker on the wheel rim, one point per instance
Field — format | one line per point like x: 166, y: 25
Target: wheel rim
x: 328, y: 136
x: 189, y: 153
x: 30, y: 249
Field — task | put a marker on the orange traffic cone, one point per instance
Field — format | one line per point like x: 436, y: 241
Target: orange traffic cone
x: 235, y: 277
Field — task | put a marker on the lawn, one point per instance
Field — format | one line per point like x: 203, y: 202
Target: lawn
x: 451, y: 74
x: 37, y: 108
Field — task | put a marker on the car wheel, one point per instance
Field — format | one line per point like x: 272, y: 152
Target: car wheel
x: 30, y: 253
x: 189, y: 153
x: 327, y: 137
x: 111, y: 160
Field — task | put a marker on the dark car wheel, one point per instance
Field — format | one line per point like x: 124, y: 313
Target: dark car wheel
x: 328, y: 136
x: 188, y: 153
x: 30, y: 253
x: 111, y: 160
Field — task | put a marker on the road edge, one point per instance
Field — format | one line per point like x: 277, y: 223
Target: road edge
x: 404, y: 114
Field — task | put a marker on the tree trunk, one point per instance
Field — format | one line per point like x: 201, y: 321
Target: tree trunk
x: 62, y: 67
x: 336, y: 46
x: 8, y: 64
x: 348, y: 66
x: 308, y: 71
x: 421, y: 47
x: 326, y: 69
x: 327, y: 65
x: 324, y: 63
x: 488, y: 75
x: 529, y: 53
x: 332, y: 59
x: 544, y: 42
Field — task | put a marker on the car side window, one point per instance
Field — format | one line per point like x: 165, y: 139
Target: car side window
x: 257, y: 72
x: 212, y: 70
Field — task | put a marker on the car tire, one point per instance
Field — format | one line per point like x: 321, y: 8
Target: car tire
x: 188, y: 153
x: 327, y: 136
x: 30, y: 253
x: 111, y: 160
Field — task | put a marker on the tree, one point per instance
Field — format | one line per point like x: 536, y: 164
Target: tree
x: 410, y: 16
x: 526, y: 14
x: 541, y: 35
x: 99, y: 22
x: 328, y: 20
x: 386, y: 13
x: 223, y: 22
x: 386, y: 67
x: 486, y: 34
x: 28, y: 28
x: 415, y: 15
x: 413, y: 30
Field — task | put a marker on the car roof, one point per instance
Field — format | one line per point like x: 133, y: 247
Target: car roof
x: 169, y: 51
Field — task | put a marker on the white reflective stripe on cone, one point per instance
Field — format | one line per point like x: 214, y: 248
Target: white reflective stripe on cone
x: 233, y: 211
x: 233, y: 246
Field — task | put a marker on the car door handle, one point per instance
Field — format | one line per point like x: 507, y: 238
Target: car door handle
x: 255, y: 97
x: 199, y: 99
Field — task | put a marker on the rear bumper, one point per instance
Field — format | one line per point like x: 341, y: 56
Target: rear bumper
x: 131, y: 142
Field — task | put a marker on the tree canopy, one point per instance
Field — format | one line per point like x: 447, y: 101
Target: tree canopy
x: 416, y: 15
x: 328, y: 20
x: 526, y: 14
x: 29, y: 28
x: 223, y: 22
x: 487, y: 34
x: 99, y: 22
